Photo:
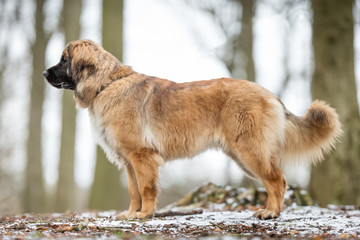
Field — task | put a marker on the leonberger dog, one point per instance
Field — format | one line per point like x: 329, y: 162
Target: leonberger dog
x: 142, y: 122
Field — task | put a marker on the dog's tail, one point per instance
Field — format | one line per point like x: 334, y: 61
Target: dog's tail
x: 309, y: 137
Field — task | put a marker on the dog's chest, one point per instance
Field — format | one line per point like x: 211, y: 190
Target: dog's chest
x: 105, y: 138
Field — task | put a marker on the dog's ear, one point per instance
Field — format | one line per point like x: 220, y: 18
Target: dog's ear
x: 92, y: 68
x: 83, y: 59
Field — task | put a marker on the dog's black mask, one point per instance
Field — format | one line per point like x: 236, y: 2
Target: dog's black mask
x: 59, y: 75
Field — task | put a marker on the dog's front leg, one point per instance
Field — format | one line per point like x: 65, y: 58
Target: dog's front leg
x: 135, y: 198
x: 145, y: 163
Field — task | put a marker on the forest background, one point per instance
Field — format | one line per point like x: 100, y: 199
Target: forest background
x: 300, y: 50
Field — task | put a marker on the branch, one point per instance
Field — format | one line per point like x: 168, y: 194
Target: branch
x: 177, y: 213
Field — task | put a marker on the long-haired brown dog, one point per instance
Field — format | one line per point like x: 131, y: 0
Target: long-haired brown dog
x: 143, y: 121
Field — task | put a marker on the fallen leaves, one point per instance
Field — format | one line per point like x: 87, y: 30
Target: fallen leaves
x: 306, y: 222
x: 208, y: 211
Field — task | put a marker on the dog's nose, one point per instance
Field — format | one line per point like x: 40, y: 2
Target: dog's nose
x: 45, y: 73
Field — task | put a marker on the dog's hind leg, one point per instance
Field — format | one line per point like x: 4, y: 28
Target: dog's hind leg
x: 254, y: 133
x: 275, y: 185
x: 266, y: 169
x: 135, y: 197
x: 272, y: 177
x: 240, y: 164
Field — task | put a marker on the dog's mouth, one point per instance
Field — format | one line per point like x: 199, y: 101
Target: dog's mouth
x: 58, y: 83
x: 64, y: 85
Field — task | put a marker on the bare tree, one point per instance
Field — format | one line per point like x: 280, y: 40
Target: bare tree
x: 34, y: 195
x: 6, y: 200
x: 336, y: 180
x: 235, y: 19
x: 65, y: 195
x: 107, y: 192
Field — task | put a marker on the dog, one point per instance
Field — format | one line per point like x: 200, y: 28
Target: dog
x: 142, y: 122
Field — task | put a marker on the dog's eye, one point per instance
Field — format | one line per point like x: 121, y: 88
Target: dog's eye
x: 63, y: 60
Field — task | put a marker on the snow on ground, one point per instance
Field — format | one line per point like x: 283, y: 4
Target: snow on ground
x: 294, y: 222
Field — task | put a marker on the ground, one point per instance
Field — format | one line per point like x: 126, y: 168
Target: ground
x: 218, y: 219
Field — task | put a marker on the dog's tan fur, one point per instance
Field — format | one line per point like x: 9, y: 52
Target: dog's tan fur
x: 145, y: 121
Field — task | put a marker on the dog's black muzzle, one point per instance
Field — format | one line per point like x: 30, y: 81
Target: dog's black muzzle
x: 58, y: 77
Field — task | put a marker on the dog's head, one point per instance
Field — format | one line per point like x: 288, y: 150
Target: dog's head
x: 86, y: 68
x: 60, y: 75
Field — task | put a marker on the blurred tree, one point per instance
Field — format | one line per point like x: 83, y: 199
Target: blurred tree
x: 238, y: 55
x: 235, y: 19
x: 3, y: 51
x: 12, y: 20
x: 336, y: 180
x: 4, y: 24
x: 65, y: 195
x: 107, y: 192
x: 4, y: 177
x: 34, y: 196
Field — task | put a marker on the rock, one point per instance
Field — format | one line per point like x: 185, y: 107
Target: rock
x: 212, y: 196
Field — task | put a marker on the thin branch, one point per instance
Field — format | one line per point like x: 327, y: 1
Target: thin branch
x: 170, y: 213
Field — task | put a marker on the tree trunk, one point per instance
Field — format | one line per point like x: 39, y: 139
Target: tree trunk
x: 336, y: 180
x: 107, y: 192
x: 238, y: 55
x: 65, y: 195
x: 245, y: 42
x: 34, y: 196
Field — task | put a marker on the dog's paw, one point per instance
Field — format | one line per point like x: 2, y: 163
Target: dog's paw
x: 265, y: 214
x: 143, y: 215
x: 125, y: 215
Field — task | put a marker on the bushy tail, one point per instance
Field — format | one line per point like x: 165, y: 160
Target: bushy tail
x: 309, y: 137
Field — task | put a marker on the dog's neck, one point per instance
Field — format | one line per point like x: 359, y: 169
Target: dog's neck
x: 120, y: 71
